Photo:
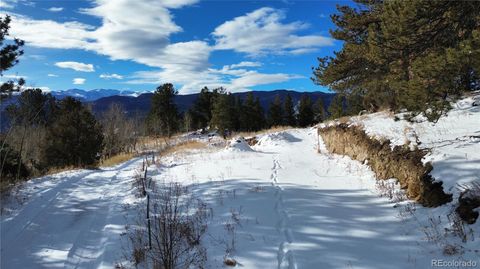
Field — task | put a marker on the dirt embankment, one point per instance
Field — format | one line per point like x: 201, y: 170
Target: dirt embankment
x: 400, y: 162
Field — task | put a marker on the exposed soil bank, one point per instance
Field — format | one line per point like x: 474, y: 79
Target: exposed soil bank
x: 400, y: 162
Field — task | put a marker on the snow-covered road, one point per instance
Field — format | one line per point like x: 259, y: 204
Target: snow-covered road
x: 70, y: 221
x: 299, y: 208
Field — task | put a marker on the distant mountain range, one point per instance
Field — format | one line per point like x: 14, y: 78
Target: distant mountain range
x: 92, y: 95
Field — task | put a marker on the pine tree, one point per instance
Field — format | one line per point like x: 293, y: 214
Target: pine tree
x: 247, y: 118
x: 74, y: 137
x: 223, y: 113
x: 319, y: 110
x: 275, y: 112
x: 414, y: 55
x: 289, y: 116
x: 202, y: 108
x: 336, y: 107
x: 238, y: 111
x: 163, y: 116
x: 258, y: 116
x: 9, y: 55
x: 305, y: 115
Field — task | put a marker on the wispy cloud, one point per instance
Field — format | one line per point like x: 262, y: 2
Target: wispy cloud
x: 79, y: 81
x: 55, y: 9
x: 246, y: 64
x: 77, y: 66
x: 232, y: 77
x: 110, y: 76
x: 52, y: 75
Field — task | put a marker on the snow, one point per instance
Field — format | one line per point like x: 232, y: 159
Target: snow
x: 291, y: 206
x: 70, y: 220
x: 276, y: 139
x: 238, y: 144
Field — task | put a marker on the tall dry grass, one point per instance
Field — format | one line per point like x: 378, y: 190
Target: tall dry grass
x: 183, y: 147
x: 117, y: 159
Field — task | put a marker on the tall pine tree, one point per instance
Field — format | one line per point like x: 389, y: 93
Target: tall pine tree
x: 275, y: 112
x: 414, y: 55
x: 289, y: 116
x: 74, y: 138
x: 163, y: 116
x: 305, y: 115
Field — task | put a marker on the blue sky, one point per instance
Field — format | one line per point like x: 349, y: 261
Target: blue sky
x: 138, y: 45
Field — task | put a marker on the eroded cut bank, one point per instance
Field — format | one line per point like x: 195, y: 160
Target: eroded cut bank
x: 400, y: 162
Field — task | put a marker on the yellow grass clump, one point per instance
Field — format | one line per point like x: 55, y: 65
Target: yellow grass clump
x: 116, y: 159
x: 183, y: 147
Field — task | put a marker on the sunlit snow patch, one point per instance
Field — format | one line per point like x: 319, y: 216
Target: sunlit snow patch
x: 238, y: 144
x: 275, y: 139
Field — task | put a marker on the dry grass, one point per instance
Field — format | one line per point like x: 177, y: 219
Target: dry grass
x: 271, y: 130
x: 119, y: 158
x: 55, y: 170
x: 183, y: 147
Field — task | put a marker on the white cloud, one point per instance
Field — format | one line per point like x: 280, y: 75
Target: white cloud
x: 9, y: 4
x: 52, y: 75
x: 246, y: 64
x: 261, y: 32
x: 125, y: 35
x: 51, y: 34
x: 76, y: 66
x: 6, y: 4
x: 229, y: 76
x: 110, y: 76
x: 79, y: 81
x: 253, y: 78
x: 55, y: 9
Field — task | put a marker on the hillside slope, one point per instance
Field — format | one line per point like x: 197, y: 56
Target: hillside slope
x: 291, y: 206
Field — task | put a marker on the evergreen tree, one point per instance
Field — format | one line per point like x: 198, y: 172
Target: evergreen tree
x: 247, y: 118
x: 74, y: 137
x: 32, y: 108
x: 258, y: 116
x: 354, y: 104
x: 202, y: 108
x: 336, y: 107
x: 223, y: 113
x: 289, y: 116
x: 275, y: 112
x: 319, y: 110
x: 417, y: 55
x: 305, y: 115
x: 163, y: 116
x: 238, y: 111
x: 9, y: 55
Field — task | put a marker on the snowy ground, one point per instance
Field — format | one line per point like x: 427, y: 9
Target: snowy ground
x: 69, y: 220
x: 297, y: 208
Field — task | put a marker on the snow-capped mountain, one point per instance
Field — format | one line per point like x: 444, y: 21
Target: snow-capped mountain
x: 92, y: 95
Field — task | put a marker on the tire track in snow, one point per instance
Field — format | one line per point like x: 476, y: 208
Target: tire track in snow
x: 89, y: 241
x: 285, y: 257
